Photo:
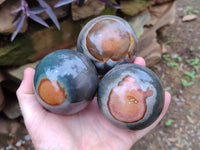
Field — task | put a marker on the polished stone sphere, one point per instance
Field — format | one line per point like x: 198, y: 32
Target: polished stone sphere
x: 131, y: 96
x: 107, y: 40
x: 65, y: 81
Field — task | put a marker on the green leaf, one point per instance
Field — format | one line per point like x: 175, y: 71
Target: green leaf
x: 195, y: 61
x: 173, y: 98
x: 190, y: 74
x: 189, y: 8
x: 179, y: 58
x: 166, y: 56
x: 173, y: 64
x: 10, y: 134
x: 190, y: 30
x: 191, y: 48
x: 196, y: 68
x: 185, y: 83
x: 169, y: 122
x: 188, y: 61
x: 195, y: 11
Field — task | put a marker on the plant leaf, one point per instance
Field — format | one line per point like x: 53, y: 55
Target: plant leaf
x: 38, y: 19
x: 173, y: 63
x: 117, y: 6
x: 62, y: 2
x: 16, y: 10
x: 196, y: 68
x: 195, y: 61
x: 36, y: 10
x: 18, y: 26
x: 17, y: 16
x: 50, y: 12
x: 190, y: 74
x: 185, y: 83
x: 10, y: 134
x: 168, y: 122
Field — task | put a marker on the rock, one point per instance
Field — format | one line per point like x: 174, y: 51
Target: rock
x: 1, y: 1
x: 4, y: 126
x: 12, y: 109
x: 133, y: 7
x: 162, y: 1
x: 146, y: 39
x: 8, y: 126
x: 162, y: 31
x: 23, y: 148
x: 10, y: 141
x: 1, y: 77
x: 90, y: 8
x: 20, y: 143
x: 164, y: 48
x: 2, y: 100
x: 10, y: 84
x: 157, y: 12
x: 148, y: 48
x: 6, y: 18
x: 189, y: 18
x: 39, y: 43
x: 27, y: 137
x: 138, y: 22
x: 10, y: 147
x: 18, y: 73
x: 14, y: 127
x: 155, y: 56
x: 190, y: 119
x: 162, y: 15
x: 36, y: 45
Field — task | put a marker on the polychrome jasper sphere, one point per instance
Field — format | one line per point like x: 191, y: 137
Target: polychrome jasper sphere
x: 107, y: 40
x: 65, y: 81
x: 131, y: 96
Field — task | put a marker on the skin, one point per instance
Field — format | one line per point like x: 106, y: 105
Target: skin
x: 85, y: 130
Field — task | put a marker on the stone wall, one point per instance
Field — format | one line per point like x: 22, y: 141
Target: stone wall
x: 35, y: 41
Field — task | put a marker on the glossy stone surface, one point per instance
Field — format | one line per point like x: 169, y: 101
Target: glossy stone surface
x: 65, y: 81
x: 107, y: 41
x: 131, y: 96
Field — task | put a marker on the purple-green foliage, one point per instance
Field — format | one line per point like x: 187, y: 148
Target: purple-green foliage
x: 24, y: 11
x: 81, y: 2
x: 50, y: 12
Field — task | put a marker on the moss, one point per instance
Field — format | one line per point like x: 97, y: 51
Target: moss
x: 39, y: 43
x: 17, y: 53
x: 135, y: 6
x: 109, y: 10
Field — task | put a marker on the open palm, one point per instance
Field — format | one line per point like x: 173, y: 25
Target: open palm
x: 87, y: 129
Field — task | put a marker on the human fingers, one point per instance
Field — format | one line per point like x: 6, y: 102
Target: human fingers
x: 139, y: 61
x: 141, y: 133
x: 26, y: 86
x: 26, y: 97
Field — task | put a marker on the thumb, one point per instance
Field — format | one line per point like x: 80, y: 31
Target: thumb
x: 29, y: 105
x: 143, y: 132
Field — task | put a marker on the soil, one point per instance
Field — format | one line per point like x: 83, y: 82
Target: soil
x: 179, y: 71
x: 180, y: 128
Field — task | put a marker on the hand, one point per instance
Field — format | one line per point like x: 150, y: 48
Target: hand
x: 87, y: 129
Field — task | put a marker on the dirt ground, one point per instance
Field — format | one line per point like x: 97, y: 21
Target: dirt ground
x: 179, y: 71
